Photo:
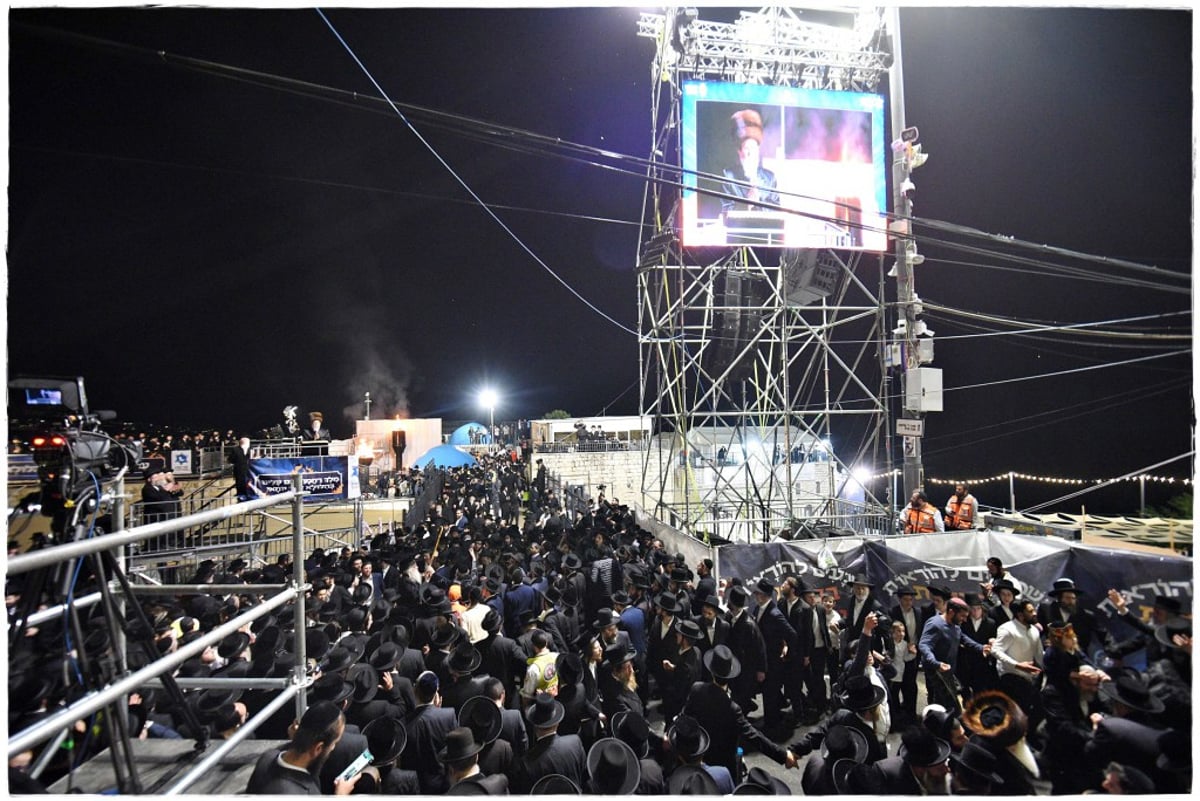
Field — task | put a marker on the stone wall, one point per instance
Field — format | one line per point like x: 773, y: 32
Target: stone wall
x: 619, y: 471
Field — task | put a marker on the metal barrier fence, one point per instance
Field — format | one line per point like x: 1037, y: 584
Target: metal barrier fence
x: 117, y: 689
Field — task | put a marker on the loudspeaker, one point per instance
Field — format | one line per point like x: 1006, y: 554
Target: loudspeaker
x: 737, y: 319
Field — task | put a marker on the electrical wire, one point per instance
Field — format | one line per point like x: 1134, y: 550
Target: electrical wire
x: 1068, y: 372
x: 525, y: 141
x: 462, y: 182
x: 1130, y: 396
x: 1102, y: 484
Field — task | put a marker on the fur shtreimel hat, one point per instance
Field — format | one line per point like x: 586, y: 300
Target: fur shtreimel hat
x: 994, y: 716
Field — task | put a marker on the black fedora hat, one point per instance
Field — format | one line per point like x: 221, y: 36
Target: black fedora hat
x: 906, y: 590
x: 554, y: 784
x: 330, y: 687
x: 861, y: 578
x: 680, y: 575
x: 445, y: 637
x: 861, y: 694
x: 464, y: 658
x: 918, y: 747
x: 765, y: 586
x: 1169, y: 605
x: 572, y: 562
x: 483, y: 717
x: 339, y: 659
x: 618, y: 653
x: 491, y: 621
x: 712, y: 601
x: 1166, y: 632
x: 459, y: 744
x: 231, y: 646
x: 759, y: 782
x: 1005, y: 584
x: 737, y: 596
x: 544, y: 712
x: 843, y: 742
x: 1064, y: 585
x: 630, y: 727
x: 613, y: 767
x: 668, y: 602
x: 385, y: 657
x: 688, y: 738
x: 365, y: 680
x: 692, y: 780
x: 1130, y: 689
x: 722, y: 663
x: 605, y: 618
x: 975, y: 764
x: 852, y: 778
x: 689, y: 629
x: 356, y: 644
x: 621, y: 598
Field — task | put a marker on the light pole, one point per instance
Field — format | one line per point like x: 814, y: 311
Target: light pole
x: 488, y: 398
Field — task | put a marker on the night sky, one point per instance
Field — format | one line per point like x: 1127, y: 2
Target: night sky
x: 207, y: 251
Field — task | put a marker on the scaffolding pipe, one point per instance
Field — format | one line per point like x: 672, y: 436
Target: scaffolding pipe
x: 205, y: 589
x: 221, y: 683
x: 299, y: 634
x: 94, y: 701
x: 244, y: 731
x: 57, y: 554
x: 50, y: 613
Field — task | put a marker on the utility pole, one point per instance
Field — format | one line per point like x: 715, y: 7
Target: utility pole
x: 919, y: 385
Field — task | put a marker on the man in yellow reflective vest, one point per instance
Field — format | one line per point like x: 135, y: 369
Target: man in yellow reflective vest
x: 961, y: 509
x: 921, y: 516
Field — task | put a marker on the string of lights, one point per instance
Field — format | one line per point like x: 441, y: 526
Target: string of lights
x: 1042, y: 479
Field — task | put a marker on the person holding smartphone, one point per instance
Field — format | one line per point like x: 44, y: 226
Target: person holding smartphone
x: 295, y: 769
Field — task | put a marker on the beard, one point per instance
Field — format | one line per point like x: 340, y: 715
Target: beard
x: 935, y: 785
x: 315, y: 766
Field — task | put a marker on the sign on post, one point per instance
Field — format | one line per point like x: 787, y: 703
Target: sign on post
x: 910, y: 428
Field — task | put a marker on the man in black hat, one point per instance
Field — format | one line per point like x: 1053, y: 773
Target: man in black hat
x: 860, y: 709
x: 841, y: 742
x: 779, y: 640
x: 501, y: 657
x: 613, y: 768
x: 1004, y: 592
x: 854, y: 610
x: 681, y: 672
x: 427, y: 727
x: 689, y: 742
x: 713, y: 625
x: 1072, y: 710
x: 631, y: 729
x: 1164, y: 610
x: 549, y: 752
x: 661, y: 644
x: 460, y: 755
x: 1062, y: 605
x: 463, y: 685
x: 746, y: 642
x: 386, y: 740
x: 481, y: 715
x: 617, y: 682
x: 711, y: 705
x: 920, y: 768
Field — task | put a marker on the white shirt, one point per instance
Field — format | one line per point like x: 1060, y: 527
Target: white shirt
x: 1016, y: 642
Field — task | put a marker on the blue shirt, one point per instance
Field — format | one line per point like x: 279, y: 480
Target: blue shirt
x: 940, y: 641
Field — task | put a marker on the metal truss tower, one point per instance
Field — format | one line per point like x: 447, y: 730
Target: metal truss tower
x: 763, y: 368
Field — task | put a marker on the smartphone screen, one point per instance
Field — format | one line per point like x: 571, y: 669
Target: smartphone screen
x: 355, y: 767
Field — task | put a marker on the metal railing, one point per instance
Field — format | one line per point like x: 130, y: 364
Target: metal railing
x: 60, y: 720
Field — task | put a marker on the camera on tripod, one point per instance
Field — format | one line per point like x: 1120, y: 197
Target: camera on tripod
x: 70, y: 450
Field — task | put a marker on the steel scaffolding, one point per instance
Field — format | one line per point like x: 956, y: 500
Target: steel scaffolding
x: 762, y: 368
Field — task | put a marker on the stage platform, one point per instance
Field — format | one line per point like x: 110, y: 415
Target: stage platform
x: 160, y: 764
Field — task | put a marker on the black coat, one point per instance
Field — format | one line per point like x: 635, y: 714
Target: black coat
x: 456, y: 694
x: 269, y: 778
x: 502, y: 658
x: 746, y: 642
x: 552, y: 754
x: 727, y: 726
x: 512, y: 730
x: 427, y: 727
x: 480, y: 784
x: 843, y: 717
x: 1068, y: 735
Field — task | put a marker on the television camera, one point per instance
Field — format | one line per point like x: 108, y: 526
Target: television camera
x: 74, y: 457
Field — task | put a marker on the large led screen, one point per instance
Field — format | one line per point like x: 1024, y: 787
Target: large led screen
x: 782, y: 166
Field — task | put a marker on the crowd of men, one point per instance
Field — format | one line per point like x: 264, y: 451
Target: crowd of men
x: 486, y: 651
